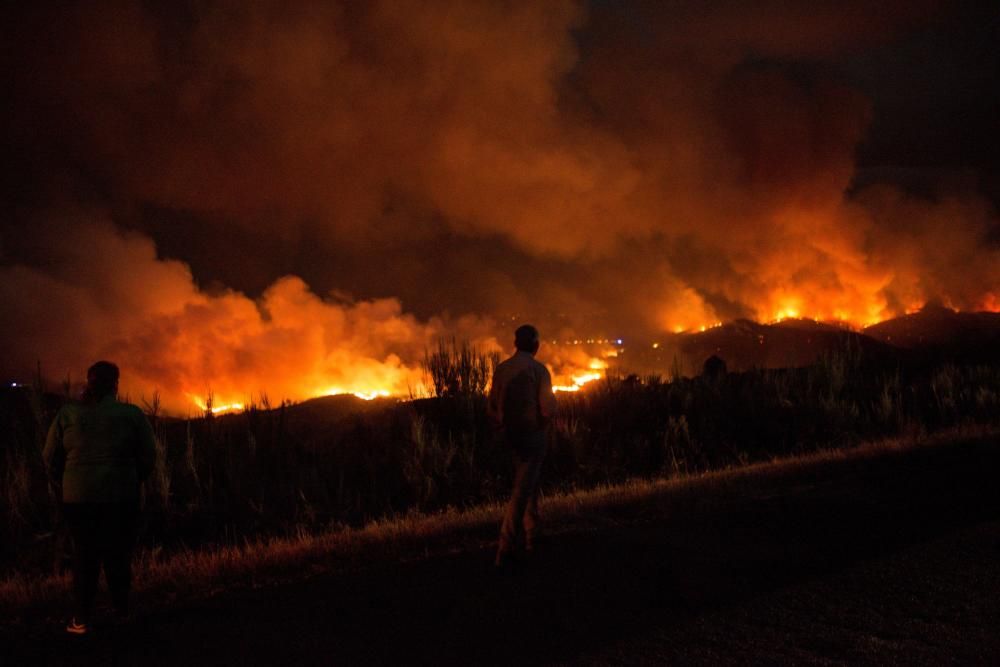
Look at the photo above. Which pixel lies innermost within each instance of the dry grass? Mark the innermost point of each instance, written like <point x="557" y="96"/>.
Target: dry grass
<point x="193" y="574"/>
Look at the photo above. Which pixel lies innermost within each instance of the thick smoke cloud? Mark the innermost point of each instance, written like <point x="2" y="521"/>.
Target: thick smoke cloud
<point x="107" y="295"/>
<point x="603" y="170"/>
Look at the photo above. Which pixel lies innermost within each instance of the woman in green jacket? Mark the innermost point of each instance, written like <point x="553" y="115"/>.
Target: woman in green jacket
<point x="98" y="452"/>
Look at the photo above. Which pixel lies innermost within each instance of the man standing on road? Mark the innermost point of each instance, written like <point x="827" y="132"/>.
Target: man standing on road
<point x="520" y="406"/>
<point x="97" y="453"/>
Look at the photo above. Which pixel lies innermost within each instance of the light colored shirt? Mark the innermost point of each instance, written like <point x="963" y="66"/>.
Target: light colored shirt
<point x="521" y="399"/>
<point x="99" y="452"/>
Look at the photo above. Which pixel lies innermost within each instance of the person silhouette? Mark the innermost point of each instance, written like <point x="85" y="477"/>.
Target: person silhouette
<point x="520" y="406"/>
<point x="97" y="453"/>
<point x="714" y="368"/>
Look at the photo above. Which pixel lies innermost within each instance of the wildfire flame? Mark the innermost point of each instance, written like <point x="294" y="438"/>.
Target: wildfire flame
<point x="578" y="382"/>
<point x="365" y="395"/>
<point x="578" y="379"/>
<point x="215" y="409"/>
<point x="567" y="381"/>
<point x="577" y="362"/>
<point x="857" y="316"/>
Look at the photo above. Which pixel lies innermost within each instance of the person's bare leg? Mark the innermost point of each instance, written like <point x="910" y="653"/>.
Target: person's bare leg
<point x="512" y="527"/>
<point x="531" y="521"/>
<point x="530" y="518"/>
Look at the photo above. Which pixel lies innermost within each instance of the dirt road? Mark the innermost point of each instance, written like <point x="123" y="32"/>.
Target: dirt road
<point x="896" y="561"/>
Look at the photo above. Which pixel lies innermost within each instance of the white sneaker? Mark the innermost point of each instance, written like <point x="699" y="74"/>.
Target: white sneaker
<point x="75" y="628"/>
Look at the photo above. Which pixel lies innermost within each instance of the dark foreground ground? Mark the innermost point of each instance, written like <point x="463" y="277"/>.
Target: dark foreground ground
<point x="894" y="560"/>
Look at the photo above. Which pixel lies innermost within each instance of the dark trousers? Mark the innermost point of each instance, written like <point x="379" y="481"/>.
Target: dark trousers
<point x="103" y="535"/>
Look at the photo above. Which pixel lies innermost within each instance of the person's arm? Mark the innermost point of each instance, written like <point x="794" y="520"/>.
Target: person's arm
<point x="54" y="454"/>
<point x="494" y="407"/>
<point x="145" y="455"/>
<point x="546" y="397"/>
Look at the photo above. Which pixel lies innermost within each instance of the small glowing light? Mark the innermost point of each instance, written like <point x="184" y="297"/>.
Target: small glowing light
<point x="619" y="341"/>
<point x="656" y="345"/>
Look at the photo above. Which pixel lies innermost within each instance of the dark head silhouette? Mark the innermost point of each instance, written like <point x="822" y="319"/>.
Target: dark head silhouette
<point x="714" y="368"/>
<point x="102" y="380"/>
<point x="526" y="339"/>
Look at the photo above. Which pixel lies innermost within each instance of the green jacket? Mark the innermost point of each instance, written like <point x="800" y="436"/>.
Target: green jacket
<point x="99" y="453"/>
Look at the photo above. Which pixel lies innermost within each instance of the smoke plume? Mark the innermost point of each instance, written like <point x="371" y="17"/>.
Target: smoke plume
<point x="301" y="197"/>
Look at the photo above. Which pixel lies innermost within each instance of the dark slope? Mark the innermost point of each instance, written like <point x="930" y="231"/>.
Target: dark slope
<point x="886" y="561"/>
<point x="949" y="334"/>
<point x="932" y="335"/>
<point x="744" y="344"/>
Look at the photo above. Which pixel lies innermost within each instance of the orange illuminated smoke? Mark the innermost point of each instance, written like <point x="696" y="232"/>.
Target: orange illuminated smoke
<point x="991" y="303"/>
<point x="839" y="308"/>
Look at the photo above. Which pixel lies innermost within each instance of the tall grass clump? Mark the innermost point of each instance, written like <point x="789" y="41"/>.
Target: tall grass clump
<point x="459" y="368"/>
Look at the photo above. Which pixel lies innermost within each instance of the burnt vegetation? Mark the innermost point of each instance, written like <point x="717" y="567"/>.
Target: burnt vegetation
<point x="286" y="469"/>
